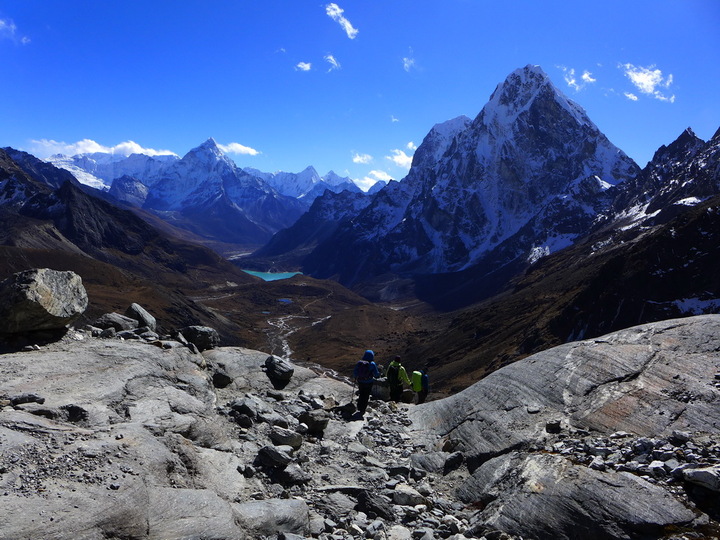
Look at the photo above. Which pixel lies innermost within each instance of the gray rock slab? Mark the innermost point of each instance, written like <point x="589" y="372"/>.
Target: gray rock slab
<point x="117" y="321"/>
<point x="272" y="516"/>
<point x="244" y="366"/>
<point x="544" y="496"/>
<point x="190" y="513"/>
<point x="649" y="380"/>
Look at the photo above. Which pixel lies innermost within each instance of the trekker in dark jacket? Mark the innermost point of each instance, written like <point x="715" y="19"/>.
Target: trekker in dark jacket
<point x="424" y="386"/>
<point x="365" y="373"/>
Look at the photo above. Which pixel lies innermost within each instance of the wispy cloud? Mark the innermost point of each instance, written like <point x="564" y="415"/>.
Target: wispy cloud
<point x="44" y="148"/>
<point x="8" y="30"/>
<point x="362" y="158"/>
<point x="393" y="119"/>
<point x="400" y="158"/>
<point x="630" y="96"/>
<point x="409" y="61"/>
<point x="237" y="148"/>
<point x="649" y="81"/>
<point x="336" y="14"/>
<point x="411" y="146"/>
<point x="303" y="66"/>
<point x="334" y="64"/>
<point x="571" y="79"/>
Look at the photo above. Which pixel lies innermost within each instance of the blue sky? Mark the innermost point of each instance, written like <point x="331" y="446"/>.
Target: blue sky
<point x="351" y="86"/>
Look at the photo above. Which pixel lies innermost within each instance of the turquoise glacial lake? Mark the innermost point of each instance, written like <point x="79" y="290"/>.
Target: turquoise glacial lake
<point x="272" y="276"/>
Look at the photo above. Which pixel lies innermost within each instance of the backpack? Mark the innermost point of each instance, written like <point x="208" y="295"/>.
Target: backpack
<point x="364" y="371"/>
<point x="393" y="375"/>
<point x="417" y="381"/>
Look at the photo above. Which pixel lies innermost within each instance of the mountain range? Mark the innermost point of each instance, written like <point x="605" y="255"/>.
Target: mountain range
<point x="521" y="229"/>
<point x="485" y="199"/>
<point x="205" y="192"/>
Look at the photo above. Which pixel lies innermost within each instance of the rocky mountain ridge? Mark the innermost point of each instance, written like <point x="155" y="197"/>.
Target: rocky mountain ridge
<point x="113" y="438"/>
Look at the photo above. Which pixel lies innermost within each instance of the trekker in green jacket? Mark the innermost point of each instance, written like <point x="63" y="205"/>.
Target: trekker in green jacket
<point x="396" y="377"/>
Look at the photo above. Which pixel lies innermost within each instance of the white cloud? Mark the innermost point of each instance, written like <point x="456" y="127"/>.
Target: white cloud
<point x="411" y="146"/>
<point x="362" y="158"/>
<point x="572" y="81"/>
<point x="408" y="63"/>
<point x="8" y="30"/>
<point x="44" y="148"/>
<point x="400" y="158"/>
<point x="393" y="119"/>
<point x="631" y="96"/>
<point x="334" y="64"/>
<point x="587" y="77"/>
<point x="649" y="81"/>
<point x="237" y="148"/>
<point x="380" y="175"/>
<point x="371" y="179"/>
<point x="303" y="66"/>
<point x="336" y="14"/>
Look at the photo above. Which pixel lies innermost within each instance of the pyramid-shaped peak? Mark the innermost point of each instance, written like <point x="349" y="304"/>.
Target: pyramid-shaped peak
<point x="210" y="146"/>
<point x="521" y="86"/>
<point x="210" y="143"/>
<point x="521" y="91"/>
<point x="209" y="152"/>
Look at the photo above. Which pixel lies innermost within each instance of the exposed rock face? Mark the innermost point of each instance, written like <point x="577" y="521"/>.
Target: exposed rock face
<point x="129" y="190"/>
<point x="40" y="299"/>
<point x="554" y="498"/>
<point x="121" y="439"/>
<point x="634" y="380"/>
<point x="656" y="380"/>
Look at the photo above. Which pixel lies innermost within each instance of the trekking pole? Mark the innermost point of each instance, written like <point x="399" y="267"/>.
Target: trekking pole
<point x="352" y="394"/>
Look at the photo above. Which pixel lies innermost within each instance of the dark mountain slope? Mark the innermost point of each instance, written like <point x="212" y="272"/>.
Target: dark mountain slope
<point x="288" y="248"/>
<point x="581" y="292"/>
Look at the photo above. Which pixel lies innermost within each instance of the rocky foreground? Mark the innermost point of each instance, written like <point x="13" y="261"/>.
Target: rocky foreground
<point x="617" y="437"/>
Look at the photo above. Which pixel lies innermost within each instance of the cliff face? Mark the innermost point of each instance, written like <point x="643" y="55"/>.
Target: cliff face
<point x="109" y="438"/>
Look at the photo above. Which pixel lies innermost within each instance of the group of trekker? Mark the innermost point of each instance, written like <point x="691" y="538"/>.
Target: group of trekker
<point x="367" y="371"/>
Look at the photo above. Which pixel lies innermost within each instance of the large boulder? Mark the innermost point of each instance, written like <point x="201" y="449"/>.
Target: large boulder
<point x="116" y="321"/>
<point x="40" y="299"/>
<point x="278" y="369"/>
<point x="203" y="337"/>
<point x="140" y="314"/>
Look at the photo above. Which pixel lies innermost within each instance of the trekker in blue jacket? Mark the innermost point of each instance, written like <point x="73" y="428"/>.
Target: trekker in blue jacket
<point x="365" y="373"/>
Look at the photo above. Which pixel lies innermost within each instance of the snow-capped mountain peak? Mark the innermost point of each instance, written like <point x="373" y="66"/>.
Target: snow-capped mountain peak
<point x="209" y="154"/>
<point x="525" y="176"/>
<point x="517" y="94"/>
<point x="334" y="179"/>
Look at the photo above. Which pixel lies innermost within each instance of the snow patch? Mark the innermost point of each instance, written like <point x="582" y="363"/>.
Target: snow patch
<point x="696" y="306"/>
<point x="689" y="201"/>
